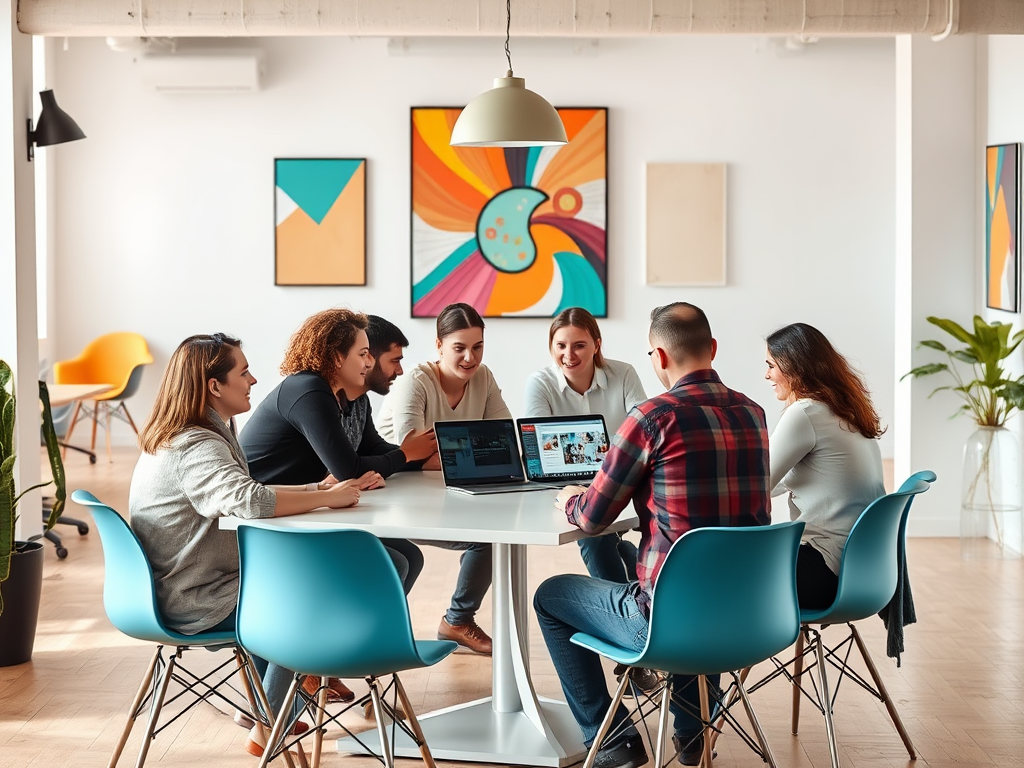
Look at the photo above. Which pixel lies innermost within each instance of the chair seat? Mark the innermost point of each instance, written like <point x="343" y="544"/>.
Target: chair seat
<point x="626" y="656"/>
<point x="432" y="651"/>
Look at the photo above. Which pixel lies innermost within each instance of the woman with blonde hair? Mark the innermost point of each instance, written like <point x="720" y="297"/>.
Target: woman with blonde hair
<point x="192" y="471"/>
<point x="824" y="451"/>
<point x="457" y="386"/>
<point x="580" y="381"/>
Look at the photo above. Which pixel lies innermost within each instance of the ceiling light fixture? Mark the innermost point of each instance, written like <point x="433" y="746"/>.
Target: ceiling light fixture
<point x="508" y="115"/>
<point x="55" y="126"/>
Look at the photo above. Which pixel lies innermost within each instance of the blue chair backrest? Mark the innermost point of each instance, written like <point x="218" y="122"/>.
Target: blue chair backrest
<point x="129" y="594"/>
<point x="326" y="603"/>
<point x="925" y="475"/>
<point x="725" y="599"/>
<point x="868" y="568"/>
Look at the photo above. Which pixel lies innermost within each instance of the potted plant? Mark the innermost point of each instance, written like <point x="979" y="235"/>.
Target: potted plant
<point x="21" y="562"/>
<point x="991" y="499"/>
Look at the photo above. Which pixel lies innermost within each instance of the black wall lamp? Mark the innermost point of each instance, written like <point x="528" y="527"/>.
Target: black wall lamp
<point x="55" y="126"/>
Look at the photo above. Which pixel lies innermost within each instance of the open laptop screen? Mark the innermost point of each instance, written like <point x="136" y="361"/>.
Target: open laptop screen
<point x="478" y="451"/>
<point x="563" y="447"/>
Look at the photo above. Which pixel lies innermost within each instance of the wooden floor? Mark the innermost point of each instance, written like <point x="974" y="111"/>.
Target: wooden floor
<point x="960" y="689"/>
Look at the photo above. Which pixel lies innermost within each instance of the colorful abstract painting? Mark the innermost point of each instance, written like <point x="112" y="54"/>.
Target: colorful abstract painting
<point x="320" y="221"/>
<point x="514" y="232"/>
<point x="1002" y="226"/>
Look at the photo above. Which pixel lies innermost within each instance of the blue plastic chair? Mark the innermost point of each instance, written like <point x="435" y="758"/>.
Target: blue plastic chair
<point x="129" y="597"/>
<point x="868" y="572"/>
<point x="330" y="604"/>
<point x="725" y="599"/>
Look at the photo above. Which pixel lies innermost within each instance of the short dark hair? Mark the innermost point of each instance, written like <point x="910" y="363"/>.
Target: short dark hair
<point x="457" y="317"/>
<point x="382" y="334"/>
<point x="683" y="329"/>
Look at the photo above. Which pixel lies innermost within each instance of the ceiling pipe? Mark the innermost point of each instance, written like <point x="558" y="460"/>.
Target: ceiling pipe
<point x="543" y="18"/>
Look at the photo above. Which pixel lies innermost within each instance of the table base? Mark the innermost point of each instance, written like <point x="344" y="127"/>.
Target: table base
<point x="474" y="732"/>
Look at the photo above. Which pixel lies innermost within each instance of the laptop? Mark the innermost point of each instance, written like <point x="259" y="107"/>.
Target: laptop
<point x="563" y="450"/>
<point x="480" y="457"/>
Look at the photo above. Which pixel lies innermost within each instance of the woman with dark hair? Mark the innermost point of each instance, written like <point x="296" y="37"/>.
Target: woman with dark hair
<point x="580" y="381"/>
<point x="823" y="453"/>
<point x="458" y="386"/>
<point x="191" y="472"/>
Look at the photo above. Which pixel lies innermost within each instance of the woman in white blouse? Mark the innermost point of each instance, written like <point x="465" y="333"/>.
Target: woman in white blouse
<point x="824" y="451"/>
<point x="457" y="386"/>
<point x="580" y="381"/>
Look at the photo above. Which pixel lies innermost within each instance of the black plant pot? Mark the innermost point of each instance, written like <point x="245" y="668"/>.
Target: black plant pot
<point x="21" y="594"/>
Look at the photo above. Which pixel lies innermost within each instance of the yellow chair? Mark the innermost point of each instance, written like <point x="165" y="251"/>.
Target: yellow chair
<point x="115" y="359"/>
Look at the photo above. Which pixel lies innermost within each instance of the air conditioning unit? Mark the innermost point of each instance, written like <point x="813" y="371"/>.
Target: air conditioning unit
<point x="203" y="71"/>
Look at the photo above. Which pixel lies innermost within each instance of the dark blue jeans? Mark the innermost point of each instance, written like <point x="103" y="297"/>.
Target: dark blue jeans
<point x="609" y="557"/>
<point x="474" y="579"/>
<point x="571" y="603"/>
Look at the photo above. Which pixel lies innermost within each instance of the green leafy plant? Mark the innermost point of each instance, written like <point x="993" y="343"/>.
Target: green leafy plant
<point x="9" y="497"/>
<point x="988" y="394"/>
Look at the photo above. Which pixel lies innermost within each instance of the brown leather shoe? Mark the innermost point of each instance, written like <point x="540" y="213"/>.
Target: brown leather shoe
<point x="468" y="636"/>
<point x="255" y="746"/>
<point x="337" y="691"/>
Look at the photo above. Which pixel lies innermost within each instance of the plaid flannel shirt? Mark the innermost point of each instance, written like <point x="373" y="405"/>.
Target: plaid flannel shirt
<point x="693" y="457"/>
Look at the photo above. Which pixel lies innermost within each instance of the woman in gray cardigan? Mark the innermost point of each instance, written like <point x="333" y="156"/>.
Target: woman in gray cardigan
<point x="191" y="472"/>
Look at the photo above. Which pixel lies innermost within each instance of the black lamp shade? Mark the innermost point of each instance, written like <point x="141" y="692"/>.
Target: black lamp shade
<point x="55" y="126"/>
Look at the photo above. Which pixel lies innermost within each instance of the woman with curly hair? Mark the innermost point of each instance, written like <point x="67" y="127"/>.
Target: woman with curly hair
<point x="823" y="453"/>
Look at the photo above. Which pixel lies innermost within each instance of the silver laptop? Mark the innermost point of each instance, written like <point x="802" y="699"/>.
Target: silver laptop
<point x="563" y="450"/>
<point x="479" y="457"/>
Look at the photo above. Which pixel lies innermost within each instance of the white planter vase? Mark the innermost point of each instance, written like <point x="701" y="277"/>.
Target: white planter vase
<point x="990" y="510"/>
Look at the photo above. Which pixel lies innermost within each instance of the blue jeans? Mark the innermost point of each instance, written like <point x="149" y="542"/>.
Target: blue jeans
<point x="571" y="603"/>
<point x="474" y="579"/>
<point x="609" y="557"/>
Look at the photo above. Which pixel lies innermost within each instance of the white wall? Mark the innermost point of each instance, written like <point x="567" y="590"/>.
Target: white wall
<point x="165" y="213"/>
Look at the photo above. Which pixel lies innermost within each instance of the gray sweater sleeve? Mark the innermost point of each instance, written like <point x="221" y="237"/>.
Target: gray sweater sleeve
<point x="215" y="484"/>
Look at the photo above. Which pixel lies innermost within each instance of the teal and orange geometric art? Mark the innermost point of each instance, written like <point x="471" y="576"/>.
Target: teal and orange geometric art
<point x="320" y="221"/>
<point x="514" y="232"/>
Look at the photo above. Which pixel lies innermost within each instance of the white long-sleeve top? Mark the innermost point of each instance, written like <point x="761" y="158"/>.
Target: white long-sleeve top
<point x="614" y="391"/>
<point x="830" y="471"/>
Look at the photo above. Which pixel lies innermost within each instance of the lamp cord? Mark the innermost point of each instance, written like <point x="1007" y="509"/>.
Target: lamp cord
<point x="508" y="28"/>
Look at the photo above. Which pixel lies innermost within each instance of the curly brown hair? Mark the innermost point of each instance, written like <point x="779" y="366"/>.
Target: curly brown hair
<point x="317" y="344"/>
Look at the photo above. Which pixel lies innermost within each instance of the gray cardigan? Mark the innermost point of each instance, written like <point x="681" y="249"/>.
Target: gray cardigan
<point x="175" y="499"/>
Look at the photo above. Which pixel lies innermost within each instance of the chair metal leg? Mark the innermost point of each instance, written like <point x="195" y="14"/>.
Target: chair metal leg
<point x="798" y="669"/>
<point x="280" y="723"/>
<point x="766" y="751"/>
<point x="826" y="696"/>
<point x="106" y="430"/>
<point x="705" y="716"/>
<point x="154" y="710"/>
<point x="147" y="681"/>
<point x="321" y="708"/>
<point x="883" y="693"/>
<point x="414" y="724"/>
<point x="129" y="417"/>
<point x="378" y="710"/>
<point x="716" y="729"/>
<point x="607" y="722"/>
<point x="659" y="748"/>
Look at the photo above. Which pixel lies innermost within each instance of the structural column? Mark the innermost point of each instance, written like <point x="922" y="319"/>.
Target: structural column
<point x="937" y="198"/>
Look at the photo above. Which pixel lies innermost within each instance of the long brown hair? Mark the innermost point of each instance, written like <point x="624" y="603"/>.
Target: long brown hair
<point x="817" y="371"/>
<point x="317" y="344"/>
<point x="577" y="317"/>
<point x="182" y="401"/>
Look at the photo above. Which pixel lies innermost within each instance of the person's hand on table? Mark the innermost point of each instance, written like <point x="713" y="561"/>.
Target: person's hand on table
<point x="367" y="482"/>
<point x="341" y="495"/>
<point x="433" y="463"/>
<point x="419" y="445"/>
<point x="562" y="499"/>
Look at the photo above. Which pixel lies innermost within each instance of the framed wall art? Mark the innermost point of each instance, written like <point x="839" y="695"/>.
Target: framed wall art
<point x="514" y="232"/>
<point x="1002" y="227"/>
<point x="319" y="221"/>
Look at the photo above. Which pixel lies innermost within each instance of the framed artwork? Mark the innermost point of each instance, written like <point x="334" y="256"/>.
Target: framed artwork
<point x="1002" y="227"/>
<point x="319" y="221"/>
<point x="514" y="232"/>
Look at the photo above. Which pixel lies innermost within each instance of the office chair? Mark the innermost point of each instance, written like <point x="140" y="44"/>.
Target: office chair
<point x="129" y="597"/>
<point x="116" y="359"/>
<point x="725" y="599"/>
<point x="354" y="622"/>
<point x="868" y="573"/>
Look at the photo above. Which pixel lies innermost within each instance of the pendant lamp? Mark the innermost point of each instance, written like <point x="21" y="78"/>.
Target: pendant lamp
<point x="508" y="115"/>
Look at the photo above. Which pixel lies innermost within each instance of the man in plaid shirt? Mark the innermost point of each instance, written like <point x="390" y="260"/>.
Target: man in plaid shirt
<point x="692" y="457"/>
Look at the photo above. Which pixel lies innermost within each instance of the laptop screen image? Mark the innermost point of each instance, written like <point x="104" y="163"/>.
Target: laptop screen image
<point x="562" y="448"/>
<point x="474" y="452"/>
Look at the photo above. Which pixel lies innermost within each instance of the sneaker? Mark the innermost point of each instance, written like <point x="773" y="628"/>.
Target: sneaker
<point x="257" y="739"/>
<point x="647" y="680"/>
<point x="468" y="636"/>
<point x="628" y="753"/>
<point x="243" y="719"/>
<point x="690" y="750"/>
